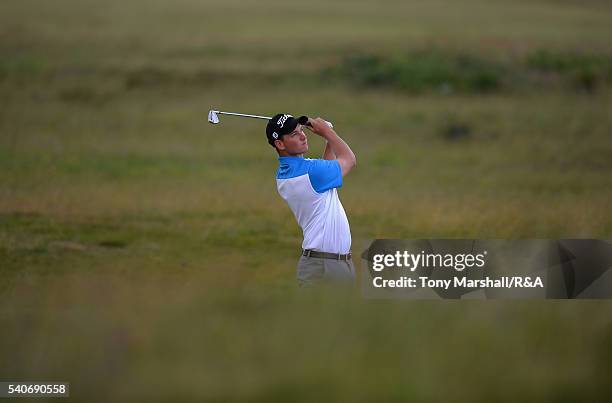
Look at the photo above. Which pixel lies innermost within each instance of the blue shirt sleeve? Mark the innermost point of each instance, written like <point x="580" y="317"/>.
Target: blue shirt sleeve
<point x="325" y="175"/>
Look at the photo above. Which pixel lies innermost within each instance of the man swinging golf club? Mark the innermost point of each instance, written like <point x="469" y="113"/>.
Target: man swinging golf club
<point x="309" y="186"/>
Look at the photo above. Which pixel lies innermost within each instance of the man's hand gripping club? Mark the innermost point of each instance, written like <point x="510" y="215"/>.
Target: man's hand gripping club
<point x="336" y="148"/>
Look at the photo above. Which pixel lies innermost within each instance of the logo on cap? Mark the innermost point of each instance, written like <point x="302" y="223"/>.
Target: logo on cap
<point x="275" y="135"/>
<point x="281" y="121"/>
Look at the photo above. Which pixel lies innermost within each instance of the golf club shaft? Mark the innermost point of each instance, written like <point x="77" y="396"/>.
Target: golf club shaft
<point x="250" y="116"/>
<point x="243" y="115"/>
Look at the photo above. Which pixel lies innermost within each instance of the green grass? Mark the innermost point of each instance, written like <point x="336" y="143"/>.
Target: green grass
<point x="447" y="72"/>
<point x="142" y="247"/>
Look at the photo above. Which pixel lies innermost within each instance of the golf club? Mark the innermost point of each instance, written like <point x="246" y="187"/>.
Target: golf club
<point x="213" y="117"/>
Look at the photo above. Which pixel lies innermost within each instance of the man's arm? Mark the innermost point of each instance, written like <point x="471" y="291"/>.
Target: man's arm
<point x="344" y="154"/>
<point x="328" y="154"/>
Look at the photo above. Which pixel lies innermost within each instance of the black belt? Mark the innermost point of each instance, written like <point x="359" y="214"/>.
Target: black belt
<point x="326" y="255"/>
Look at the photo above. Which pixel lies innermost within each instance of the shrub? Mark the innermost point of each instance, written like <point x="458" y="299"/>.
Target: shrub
<point x="424" y="71"/>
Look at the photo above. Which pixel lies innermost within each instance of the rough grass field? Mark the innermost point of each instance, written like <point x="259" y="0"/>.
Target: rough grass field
<point x="146" y="256"/>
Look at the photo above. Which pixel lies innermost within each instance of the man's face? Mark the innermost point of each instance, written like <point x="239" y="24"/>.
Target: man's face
<point x="294" y="143"/>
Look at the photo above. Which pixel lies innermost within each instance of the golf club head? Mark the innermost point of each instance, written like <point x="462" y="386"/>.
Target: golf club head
<point x="213" y="117"/>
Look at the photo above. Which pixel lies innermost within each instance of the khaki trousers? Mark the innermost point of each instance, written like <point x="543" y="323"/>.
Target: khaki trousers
<point x="313" y="270"/>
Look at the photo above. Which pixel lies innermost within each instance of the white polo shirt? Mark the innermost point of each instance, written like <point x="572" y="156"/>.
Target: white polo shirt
<point x="309" y="186"/>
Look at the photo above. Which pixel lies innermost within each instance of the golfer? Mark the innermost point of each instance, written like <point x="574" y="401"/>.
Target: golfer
<point x="309" y="186"/>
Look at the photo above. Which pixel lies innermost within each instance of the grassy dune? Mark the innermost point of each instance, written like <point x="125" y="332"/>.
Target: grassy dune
<point x="146" y="256"/>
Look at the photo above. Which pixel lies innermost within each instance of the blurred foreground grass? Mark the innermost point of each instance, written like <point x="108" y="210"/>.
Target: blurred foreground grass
<point x="120" y="338"/>
<point x="142" y="248"/>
